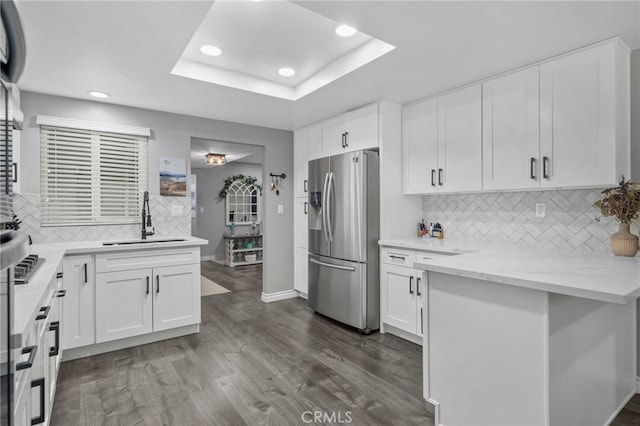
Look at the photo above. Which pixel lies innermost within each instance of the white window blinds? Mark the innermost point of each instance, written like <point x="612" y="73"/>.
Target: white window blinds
<point x="91" y="177"/>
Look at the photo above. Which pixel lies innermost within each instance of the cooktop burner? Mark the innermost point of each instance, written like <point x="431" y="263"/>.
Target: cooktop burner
<point x="26" y="268"/>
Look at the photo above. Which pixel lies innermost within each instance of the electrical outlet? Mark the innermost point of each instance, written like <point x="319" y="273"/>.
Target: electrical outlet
<point x="541" y="210"/>
<point x="201" y="209"/>
<point x="280" y="208"/>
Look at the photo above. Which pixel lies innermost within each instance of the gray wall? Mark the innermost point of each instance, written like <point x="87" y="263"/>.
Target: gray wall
<point x="635" y="143"/>
<point x="211" y="224"/>
<point x="171" y="137"/>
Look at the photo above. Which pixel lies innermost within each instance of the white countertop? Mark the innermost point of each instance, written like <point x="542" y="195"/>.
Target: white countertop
<point x="28" y="298"/>
<point x="592" y="275"/>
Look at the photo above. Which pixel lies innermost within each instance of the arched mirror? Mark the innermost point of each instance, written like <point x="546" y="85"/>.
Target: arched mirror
<point x="243" y="203"/>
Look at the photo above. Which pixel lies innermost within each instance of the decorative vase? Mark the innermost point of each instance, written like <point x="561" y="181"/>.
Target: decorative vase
<point x="623" y="242"/>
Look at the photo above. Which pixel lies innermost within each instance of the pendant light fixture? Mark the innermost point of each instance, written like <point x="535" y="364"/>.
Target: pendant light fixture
<point x="215" y="159"/>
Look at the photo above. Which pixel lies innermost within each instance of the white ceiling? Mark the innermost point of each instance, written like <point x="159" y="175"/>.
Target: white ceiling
<point x="239" y="152"/>
<point x="128" y="49"/>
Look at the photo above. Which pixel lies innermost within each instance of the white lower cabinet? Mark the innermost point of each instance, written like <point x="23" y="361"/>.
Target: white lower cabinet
<point x="300" y="252"/>
<point x="401" y="295"/>
<point x="133" y="302"/>
<point x="79" y="313"/>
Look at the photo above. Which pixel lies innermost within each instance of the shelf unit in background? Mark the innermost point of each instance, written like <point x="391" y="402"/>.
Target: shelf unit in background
<point x="236" y="250"/>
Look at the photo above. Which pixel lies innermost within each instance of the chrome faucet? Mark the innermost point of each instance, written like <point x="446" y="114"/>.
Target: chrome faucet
<point x="146" y="217"/>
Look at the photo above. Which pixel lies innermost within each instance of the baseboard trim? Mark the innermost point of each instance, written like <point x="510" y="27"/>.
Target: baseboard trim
<point x="386" y="328"/>
<point x="303" y="295"/>
<point x="115" y="345"/>
<point x="637" y="384"/>
<point x="207" y="258"/>
<point x="620" y="408"/>
<point x="278" y="295"/>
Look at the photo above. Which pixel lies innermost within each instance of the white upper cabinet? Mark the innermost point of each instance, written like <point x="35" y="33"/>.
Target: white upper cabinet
<point x="460" y="140"/>
<point x="300" y="161"/>
<point x="307" y="145"/>
<point x="511" y="135"/>
<point x="442" y="143"/>
<point x="352" y="131"/>
<point x="420" y="147"/>
<point x="583" y="119"/>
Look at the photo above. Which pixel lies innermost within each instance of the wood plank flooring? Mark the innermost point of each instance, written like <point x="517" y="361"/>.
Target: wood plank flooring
<point x="252" y="363"/>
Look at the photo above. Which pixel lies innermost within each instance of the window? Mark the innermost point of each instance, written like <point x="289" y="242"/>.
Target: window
<point x="242" y="204"/>
<point x="91" y="177"/>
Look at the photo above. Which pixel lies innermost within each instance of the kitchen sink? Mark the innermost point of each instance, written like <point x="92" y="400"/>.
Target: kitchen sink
<point x="125" y="243"/>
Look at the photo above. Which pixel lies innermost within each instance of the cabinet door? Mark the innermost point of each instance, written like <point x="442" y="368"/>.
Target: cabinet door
<point x="176" y="293"/>
<point x="460" y="140"/>
<point x="124" y="307"/>
<point x="421" y="289"/>
<point x="301" y="237"/>
<point x="361" y="128"/>
<point x="78" y="305"/>
<point x="333" y="139"/>
<point x="314" y="143"/>
<point x="420" y="147"/>
<point x="511" y="136"/>
<point x="578" y="118"/>
<point x="398" y="297"/>
<point x="300" y="162"/>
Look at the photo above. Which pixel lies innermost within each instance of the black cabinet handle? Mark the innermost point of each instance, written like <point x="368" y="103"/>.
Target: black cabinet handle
<point x="158" y="283"/>
<point x="421" y="321"/>
<point x="55" y="327"/>
<point x="39" y="383"/>
<point x="305" y="186"/>
<point x="147" y="285"/>
<point x="346" y="139"/>
<point x="397" y="257"/>
<point x="410" y="285"/>
<point x="305" y="208"/>
<point x="44" y="312"/>
<point x="545" y="173"/>
<point x="59" y="275"/>
<point x="85" y="274"/>
<point x="440" y="177"/>
<point x="433" y="177"/>
<point x="418" y="286"/>
<point x="31" y="350"/>
<point x="61" y="293"/>
<point x="533" y="168"/>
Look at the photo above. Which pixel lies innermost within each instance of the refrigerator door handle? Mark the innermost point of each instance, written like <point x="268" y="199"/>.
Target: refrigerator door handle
<point x="329" y="265"/>
<point x="329" y="195"/>
<point x="323" y="211"/>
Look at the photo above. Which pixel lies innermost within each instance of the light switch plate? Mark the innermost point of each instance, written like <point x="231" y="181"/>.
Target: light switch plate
<point x="177" y="211"/>
<point x="541" y="210"/>
<point x="280" y="208"/>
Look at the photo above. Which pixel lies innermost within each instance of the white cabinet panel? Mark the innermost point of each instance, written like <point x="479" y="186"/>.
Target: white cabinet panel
<point x="362" y="128"/>
<point x="460" y="140"/>
<point x="398" y="297"/>
<point x="511" y="136"/>
<point x="578" y="118"/>
<point x="124" y="304"/>
<point x="176" y="295"/>
<point x="314" y="143"/>
<point x="420" y="147"/>
<point x="301" y="237"/>
<point x="333" y="136"/>
<point x="78" y="312"/>
<point x="300" y="161"/>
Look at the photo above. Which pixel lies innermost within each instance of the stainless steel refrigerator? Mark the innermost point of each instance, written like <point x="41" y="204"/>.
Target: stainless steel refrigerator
<point x="344" y="223"/>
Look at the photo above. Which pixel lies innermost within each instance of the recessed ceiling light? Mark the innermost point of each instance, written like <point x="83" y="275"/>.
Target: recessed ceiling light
<point x="286" y="72"/>
<point x="345" y="30"/>
<point x="97" y="94"/>
<point x="210" y="50"/>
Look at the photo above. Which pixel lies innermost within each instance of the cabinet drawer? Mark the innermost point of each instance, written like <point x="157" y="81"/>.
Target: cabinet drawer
<point x="139" y="259"/>
<point x="424" y="256"/>
<point x="401" y="257"/>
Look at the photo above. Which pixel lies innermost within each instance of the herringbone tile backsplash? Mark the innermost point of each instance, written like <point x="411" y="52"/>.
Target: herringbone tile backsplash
<point x="27" y="207"/>
<point x="571" y="219"/>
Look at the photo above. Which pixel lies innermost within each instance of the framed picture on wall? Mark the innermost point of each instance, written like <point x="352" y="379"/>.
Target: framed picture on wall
<point x="173" y="177"/>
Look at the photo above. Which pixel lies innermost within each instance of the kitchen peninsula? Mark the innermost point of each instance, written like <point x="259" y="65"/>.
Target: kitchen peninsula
<point x="510" y="333"/>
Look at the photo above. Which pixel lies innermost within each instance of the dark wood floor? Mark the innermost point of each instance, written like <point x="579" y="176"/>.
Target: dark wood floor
<point x="252" y="363"/>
